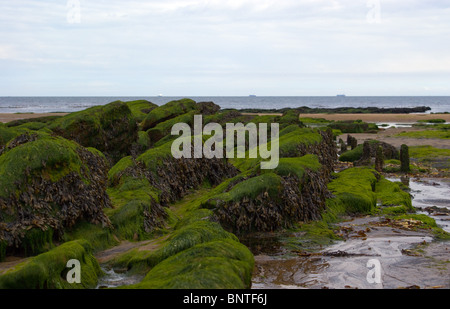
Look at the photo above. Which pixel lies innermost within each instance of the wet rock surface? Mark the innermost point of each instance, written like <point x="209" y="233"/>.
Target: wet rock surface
<point x="410" y="257"/>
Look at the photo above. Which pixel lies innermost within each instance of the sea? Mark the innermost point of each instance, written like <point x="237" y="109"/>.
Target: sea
<point x="41" y="104"/>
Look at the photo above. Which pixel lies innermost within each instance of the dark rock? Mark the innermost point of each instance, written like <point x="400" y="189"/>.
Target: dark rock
<point x="208" y="108"/>
<point x="370" y="150"/>
<point x="404" y="159"/>
<point x="379" y="160"/>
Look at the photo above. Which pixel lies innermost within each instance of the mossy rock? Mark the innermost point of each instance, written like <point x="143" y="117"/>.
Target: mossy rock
<point x="355" y="189"/>
<point x="294" y="191"/>
<point x="223" y="264"/>
<point x="196" y="231"/>
<point x="226" y="116"/>
<point x="164" y="128"/>
<point x="390" y="194"/>
<point x="7" y="134"/>
<point x="352" y="155"/>
<point x="110" y="128"/>
<point x="49" y="270"/>
<point x="207" y="108"/>
<point x="137" y="212"/>
<point x="140" y="108"/>
<point x="48" y="183"/>
<point x="167" y="111"/>
<point x="354" y="126"/>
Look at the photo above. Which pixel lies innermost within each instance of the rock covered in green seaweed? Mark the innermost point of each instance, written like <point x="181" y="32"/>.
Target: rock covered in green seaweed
<point x="49" y="270"/>
<point x="47" y="184"/>
<point x="168" y="111"/>
<point x="295" y="191"/>
<point x="110" y="128"/>
<point x="140" y="108"/>
<point x="199" y="253"/>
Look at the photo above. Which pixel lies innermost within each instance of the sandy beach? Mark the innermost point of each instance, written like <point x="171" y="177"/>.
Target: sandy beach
<point x="10" y="117"/>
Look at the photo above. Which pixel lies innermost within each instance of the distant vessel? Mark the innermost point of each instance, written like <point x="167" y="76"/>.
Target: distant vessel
<point x="252" y="95"/>
<point x="341" y="95"/>
<point x="160" y="95"/>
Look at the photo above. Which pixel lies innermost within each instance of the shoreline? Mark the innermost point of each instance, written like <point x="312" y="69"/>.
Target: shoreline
<point x="376" y="118"/>
<point x="7" y="117"/>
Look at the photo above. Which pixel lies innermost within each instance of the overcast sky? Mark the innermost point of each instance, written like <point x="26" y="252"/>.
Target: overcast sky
<point x="224" y="47"/>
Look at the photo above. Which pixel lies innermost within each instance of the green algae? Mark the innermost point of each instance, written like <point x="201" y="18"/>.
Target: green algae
<point x="251" y="188"/>
<point x="167" y="111"/>
<point x="48" y="270"/>
<point x="355" y="189"/>
<point x="8" y="134"/>
<point x="164" y="128"/>
<point x="390" y="194"/>
<point x="35" y="172"/>
<point x="297" y="166"/>
<point x="49" y="156"/>
<point x="143" y="140"/>
<point x="155" y="157"/>
<point x="425" y="134"/>
<point x="222" y="264"/>
<point x="198" y="231"/>
<point x="110" y="128"/>
<point x="290" y="142"/>
<point x="98" y="237"/>
<point x="132" y="200"/>
<point x="426" y="223"/>
<point x="352" y="155"/>
<point x="140" y="108"/>
<point x="115" y="172"/>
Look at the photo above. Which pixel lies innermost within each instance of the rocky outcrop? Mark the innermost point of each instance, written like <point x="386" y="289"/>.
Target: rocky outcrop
<point x="295" y="199"/>
<point x="47" y="184"/>
<point x="369" y="152"/>
<point x="111" y="129"/>
<point x="294" y="191"/>
<point x="168" y="111"/>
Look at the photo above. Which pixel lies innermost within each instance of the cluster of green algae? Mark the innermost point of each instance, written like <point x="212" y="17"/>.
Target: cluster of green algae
<point x="196" y="252"/>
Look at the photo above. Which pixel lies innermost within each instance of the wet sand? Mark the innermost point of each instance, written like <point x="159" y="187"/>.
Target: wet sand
<point x="408" y="256"/>
<point x="10" y="117"/>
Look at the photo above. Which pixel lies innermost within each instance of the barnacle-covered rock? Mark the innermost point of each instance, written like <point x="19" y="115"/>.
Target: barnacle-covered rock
<point x="47" y="184"/>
